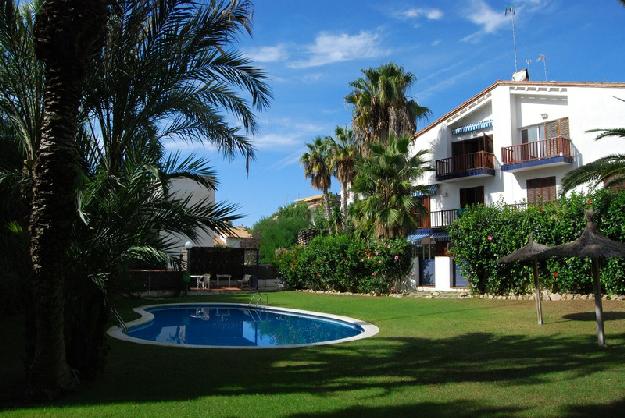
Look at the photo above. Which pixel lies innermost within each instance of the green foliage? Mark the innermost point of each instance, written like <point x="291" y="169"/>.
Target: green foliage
<point x="343" y="263"/>
<point x="381" y="104"/>
<point x="280" y="229"/>
<point x="482" y="234"/>
<point x="389" y="206"/>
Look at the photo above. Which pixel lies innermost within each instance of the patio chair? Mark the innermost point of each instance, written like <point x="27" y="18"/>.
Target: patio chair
<point x="246" y="281"/>
<point x="204" y="281"/>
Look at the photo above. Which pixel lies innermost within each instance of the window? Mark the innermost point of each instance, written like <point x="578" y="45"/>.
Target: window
<point x="471" y="196"/>
<point x="541" y="190"/>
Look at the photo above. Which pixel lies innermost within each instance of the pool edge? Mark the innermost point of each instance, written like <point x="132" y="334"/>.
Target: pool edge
<point x="369" y="330"/>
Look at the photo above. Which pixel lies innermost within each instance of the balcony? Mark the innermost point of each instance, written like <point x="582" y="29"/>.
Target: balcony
<point x="477" y="164"/>
<point x="537" y="154"/>
<point x="438" y="219"/>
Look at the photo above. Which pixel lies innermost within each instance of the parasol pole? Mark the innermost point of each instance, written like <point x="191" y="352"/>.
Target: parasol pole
<point x="598" y="306"/>
<point x="539" y="307"/>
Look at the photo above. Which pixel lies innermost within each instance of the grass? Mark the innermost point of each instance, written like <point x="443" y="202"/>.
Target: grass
<point x="432" y="357"/>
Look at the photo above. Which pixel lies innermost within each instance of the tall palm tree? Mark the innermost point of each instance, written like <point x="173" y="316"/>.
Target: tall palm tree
<point x="343" y="154"/>
<point x="386" y="180"/>
<point x="317" y="167"/>
<point x="609" y="170"/>
<point x="21" y="89"/>
<point x="167" y="72"/>
<point x="381" y="105"/>
<point x="66" y="33"/>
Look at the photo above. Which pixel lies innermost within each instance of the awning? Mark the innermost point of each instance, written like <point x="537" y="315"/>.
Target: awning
<point x="436" y="234"/>
<point x="432" y="189"/>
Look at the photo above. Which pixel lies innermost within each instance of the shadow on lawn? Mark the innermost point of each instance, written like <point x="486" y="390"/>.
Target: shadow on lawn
<point x="590" y="316"/>
<point x="456" y="409"/>
<point x="138" y="373"/>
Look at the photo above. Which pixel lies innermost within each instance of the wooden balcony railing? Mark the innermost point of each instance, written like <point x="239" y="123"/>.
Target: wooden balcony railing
<point x="438" y="219"/>
<point x="537" y="150"/>
<point x="458" y="165"/>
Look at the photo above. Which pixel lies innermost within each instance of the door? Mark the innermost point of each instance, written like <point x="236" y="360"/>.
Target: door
<point x="541" y="190"/>
<point x="424" y="214"/>
<point x="471" y="196"/>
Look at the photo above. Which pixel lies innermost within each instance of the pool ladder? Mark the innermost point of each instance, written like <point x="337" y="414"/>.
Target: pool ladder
<point x="256" y="299"/>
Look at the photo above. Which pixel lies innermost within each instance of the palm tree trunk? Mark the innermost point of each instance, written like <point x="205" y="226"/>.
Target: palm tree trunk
<point x="326" y="203"/>
<point x="65" y="33"/>
<point x="344" y="193"/>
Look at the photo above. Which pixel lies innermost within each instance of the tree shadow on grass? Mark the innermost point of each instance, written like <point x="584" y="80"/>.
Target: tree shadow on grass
<point x="455" y="409"/>
<point x="590" y="316"/>
<point x="139" y="373"/>
<point x="613" y="409"/>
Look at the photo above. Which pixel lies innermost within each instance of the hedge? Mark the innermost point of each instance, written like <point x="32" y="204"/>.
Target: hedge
<point x="483" y="234"/>
<point x="345" y="264"/>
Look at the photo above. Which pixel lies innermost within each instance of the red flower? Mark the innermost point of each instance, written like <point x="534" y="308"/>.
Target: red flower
<point x="555" y="275"/>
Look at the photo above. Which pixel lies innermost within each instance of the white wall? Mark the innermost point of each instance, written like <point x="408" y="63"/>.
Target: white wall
<point x="182" y="188"/>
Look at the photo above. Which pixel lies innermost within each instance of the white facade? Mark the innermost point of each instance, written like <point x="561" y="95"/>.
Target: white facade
<point x="182" y="188"/>
<point x="538" y="131"/>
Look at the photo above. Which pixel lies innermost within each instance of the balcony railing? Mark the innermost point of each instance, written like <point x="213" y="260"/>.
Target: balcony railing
<point x="461" y="165"/>
<point x="438" y="219"/>
<point x="537" y="150"/>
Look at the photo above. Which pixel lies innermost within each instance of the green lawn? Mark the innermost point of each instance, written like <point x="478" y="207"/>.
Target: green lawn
<point x="432" y="357"/>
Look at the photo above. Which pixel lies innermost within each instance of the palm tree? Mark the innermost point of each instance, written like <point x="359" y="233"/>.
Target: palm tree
<point x="381" y="107"/>
<point x="609" y="170"/>
<point x="386" y="178"/>
<point x="66" y="33"/>
<point x="167" y="72"/>
<point x="21" y="91"/>
<point x="317" y="167"/>
<point x="343" y="155"/>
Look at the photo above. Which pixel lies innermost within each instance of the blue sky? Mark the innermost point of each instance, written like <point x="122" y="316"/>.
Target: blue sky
<point x="311" y="50"/>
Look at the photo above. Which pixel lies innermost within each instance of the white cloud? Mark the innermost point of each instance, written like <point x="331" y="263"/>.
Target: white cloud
<point x="418" y="12"/>
<point x="330" y="48"/>
<point x="436" y="42"/>
<point x="275" y="140"/>
<point x="267" y="53"/>
<point x="487" y="18"/>
<point x="492" y="20"/>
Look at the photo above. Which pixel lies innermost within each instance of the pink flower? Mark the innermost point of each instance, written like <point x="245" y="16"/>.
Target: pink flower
<point x="396" y="257"/>
<point x="489" y="237"/>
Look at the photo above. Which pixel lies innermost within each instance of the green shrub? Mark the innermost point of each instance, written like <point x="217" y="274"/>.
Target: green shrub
<point x="343" y="263"/>
<point x="481" y="235"/>
<point x="280" y="230"/>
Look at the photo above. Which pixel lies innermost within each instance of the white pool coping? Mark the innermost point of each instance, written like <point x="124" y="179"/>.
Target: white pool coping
<point x="369" y="330"/>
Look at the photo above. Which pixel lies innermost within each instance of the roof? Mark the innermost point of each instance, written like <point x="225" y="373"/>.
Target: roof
<point x="239" y="232"/>
<point x="517" y="83"/>
<point x="312" y="198"/>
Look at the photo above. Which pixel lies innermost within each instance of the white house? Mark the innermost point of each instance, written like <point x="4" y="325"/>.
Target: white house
<point x="182" y="188"/>
<point x="511" y="143"/>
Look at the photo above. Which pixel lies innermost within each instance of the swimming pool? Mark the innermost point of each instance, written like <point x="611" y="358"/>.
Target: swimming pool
<point x="228" y="325"/>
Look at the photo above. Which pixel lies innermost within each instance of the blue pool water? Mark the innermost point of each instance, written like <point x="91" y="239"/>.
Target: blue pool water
<point x="238" y="326"/>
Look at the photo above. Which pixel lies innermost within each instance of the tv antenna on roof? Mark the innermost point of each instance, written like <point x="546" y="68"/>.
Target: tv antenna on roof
<point x="543" y="59"/>
<point x="510" y="11"/>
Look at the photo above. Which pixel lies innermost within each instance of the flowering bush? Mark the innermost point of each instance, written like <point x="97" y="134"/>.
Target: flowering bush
<point x="344" y="263"/>
<point x="483" y="234"/>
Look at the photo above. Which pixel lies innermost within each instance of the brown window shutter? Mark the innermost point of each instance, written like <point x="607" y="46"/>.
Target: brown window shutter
<point x="563" y="128"/>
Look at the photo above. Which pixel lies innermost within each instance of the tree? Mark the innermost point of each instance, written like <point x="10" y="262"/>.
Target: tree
<point x="343" y="154"/>
<point x="317" y="167"/>
<point x="280" y="229"/>
<point x="609" y="170"/>
<point x="167" y="72"/>
<point x="66" y="33"/>
<point x="381" y="107"/>
<point x="390" y="205"/>
<point x="21" y="93"/>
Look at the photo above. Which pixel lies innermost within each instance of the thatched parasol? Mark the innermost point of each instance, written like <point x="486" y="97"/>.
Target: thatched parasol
<point x="596" y="246"/>
<point x="532" y="252"/>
